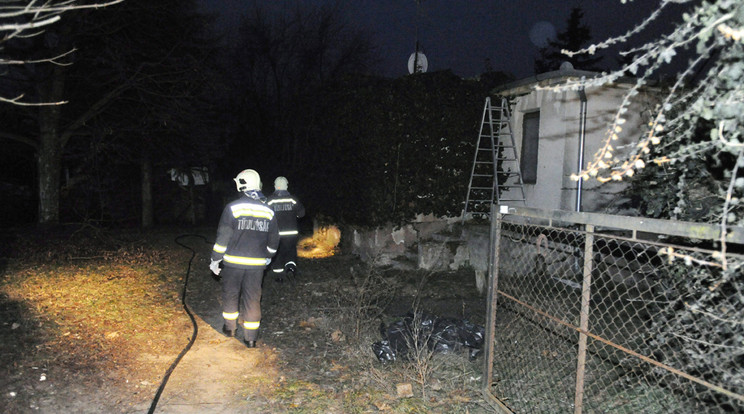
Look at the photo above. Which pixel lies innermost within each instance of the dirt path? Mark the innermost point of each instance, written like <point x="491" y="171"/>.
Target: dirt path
<point x="217" y="374"/>
<point x="212" y="377"/>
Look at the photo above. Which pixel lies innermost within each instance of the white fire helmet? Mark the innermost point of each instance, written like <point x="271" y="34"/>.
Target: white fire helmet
<point x="281" y="183"/>
<point x="248" y="180"/>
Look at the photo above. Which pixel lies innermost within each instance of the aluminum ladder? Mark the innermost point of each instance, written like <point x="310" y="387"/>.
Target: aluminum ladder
<point x="496" y="175"/>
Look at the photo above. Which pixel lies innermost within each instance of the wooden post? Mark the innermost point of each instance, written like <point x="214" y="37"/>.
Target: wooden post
<point x="584" y="319"/>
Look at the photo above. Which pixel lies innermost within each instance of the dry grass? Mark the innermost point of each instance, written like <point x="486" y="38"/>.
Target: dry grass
<point x="84" y="307"/>
<point x="97" y="310"/>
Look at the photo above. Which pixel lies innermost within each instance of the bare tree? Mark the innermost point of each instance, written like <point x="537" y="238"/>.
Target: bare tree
<point x="25" y="19"/>
<point x="699" y="125"/>
<point x="21" y="21"/>
<point x="282" y="63"/>
<point x="130" y="97"/>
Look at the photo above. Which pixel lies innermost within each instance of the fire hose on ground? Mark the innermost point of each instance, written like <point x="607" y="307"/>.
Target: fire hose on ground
<point x="168" y="373"/>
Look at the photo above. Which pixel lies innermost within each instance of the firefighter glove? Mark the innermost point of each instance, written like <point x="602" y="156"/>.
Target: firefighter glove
<point x="214" y="266"/>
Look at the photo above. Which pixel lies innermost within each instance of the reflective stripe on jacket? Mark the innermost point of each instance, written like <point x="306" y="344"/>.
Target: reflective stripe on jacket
<point x="247" y="235"/>
<point x="287" y="209"/>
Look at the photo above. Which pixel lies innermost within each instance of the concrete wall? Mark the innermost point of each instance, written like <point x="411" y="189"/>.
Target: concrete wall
<point x="429" y="243"/>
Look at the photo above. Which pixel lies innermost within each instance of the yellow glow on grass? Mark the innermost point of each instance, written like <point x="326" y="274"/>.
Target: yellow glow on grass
<point x="102" y="313"/>
<point x="323" y="243"/>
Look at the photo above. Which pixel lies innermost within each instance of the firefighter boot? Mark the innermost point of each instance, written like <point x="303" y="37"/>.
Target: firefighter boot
<point x="227" y="332"/>
<point x="250" y="344"/>
<point x="290" y="269"/>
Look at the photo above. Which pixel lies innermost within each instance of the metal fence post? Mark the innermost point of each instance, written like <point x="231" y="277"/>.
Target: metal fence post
<point x="493" y="277"/>
<point x="584" y="318"/>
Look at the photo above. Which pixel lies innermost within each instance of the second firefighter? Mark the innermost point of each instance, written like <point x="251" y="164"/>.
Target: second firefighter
<point x="288" y="209"/>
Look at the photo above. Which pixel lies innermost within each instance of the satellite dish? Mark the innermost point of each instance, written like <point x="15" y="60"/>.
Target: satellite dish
<point x="421" y="64"/>
<point x="566" y="66"/>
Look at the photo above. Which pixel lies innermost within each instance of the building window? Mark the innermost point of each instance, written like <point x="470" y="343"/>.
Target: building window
<point x="530" y="134"/>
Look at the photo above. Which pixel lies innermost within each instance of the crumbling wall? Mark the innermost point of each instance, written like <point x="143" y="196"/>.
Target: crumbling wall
<point x="434" y="244"/>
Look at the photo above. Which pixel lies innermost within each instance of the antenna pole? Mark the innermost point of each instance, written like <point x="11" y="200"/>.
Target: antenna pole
<point x="415" y="59"/>
<point x="416" y="55"/>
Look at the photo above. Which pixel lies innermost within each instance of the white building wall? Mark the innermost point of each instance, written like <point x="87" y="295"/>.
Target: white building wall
<point x="560" y="115"/>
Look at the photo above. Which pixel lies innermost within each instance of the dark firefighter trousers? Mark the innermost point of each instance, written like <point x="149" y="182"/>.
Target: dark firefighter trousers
<point x="241" y="299"/>
<point x="286" y="255"/>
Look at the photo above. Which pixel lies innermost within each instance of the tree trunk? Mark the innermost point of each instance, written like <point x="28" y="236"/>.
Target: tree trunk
<point x="49" y="164"/>
<point x="147" y="207"/>
<point x="49" y="160"/>
<point x="192" y="200"/>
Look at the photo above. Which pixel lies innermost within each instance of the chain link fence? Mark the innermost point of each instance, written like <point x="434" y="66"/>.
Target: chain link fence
<point x="590" y="313"/>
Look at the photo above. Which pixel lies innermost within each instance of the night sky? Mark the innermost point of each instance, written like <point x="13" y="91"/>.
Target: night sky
<point x="461" y="34"/>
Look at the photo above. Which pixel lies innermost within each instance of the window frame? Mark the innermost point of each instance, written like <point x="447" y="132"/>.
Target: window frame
<point x="529" y="154"/>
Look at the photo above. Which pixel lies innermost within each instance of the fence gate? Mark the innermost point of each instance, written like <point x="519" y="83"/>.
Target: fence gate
<point x="592" y="313"/>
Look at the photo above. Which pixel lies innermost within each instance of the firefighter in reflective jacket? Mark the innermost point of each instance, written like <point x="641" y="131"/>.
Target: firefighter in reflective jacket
<point x="287" y="209"/>
<point x="247" y="238"/>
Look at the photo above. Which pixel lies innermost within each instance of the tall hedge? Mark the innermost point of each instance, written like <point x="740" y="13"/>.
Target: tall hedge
<point x="384" y="150"/>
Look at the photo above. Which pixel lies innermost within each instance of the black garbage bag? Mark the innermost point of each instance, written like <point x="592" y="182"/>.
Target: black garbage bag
<point x="383" y="351"/>
<point x="423" y="329"/>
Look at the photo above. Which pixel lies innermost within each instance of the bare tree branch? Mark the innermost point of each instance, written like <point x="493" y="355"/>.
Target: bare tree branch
<point x="41" y="15"/>
<point x="53" y="60"/>
<point x="20" y="138"/>
<point x="17" y="101"/>
<point x="49" y="7"/>
<point x="20" y="27"/>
